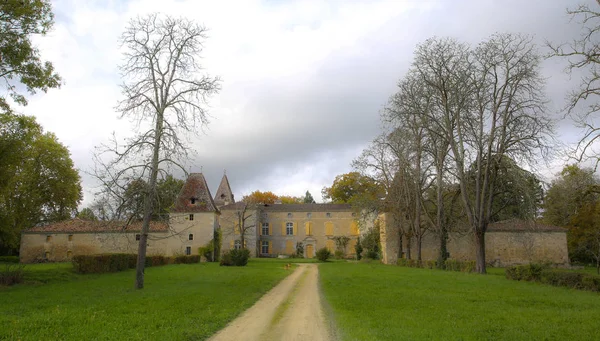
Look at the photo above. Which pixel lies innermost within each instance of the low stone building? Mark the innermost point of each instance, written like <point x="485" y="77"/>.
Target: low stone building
<point x="508" y="242"/>
<point x="192" y="222"/>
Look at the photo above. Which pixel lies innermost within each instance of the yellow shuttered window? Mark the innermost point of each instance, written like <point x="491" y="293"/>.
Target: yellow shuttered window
<point x="351" y="246"/>
<point x="308" y="228"/>
<point x="289" y="247"/>
<point x="231" y="245"/>
<point x="354" y="228"/>
<point x="270" y="247"/>
<point x="283" y="228"/>
<point x="295" y="230"/>
<point x="329" y="228"/>
<point x="330" y="245"/>
<point x="236" y="229"/>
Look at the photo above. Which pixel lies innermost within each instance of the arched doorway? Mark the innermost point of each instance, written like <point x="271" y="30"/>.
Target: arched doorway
<point x="310" y="251"/>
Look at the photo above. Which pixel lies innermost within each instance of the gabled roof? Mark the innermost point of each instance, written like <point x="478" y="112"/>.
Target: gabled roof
<point x="519" y="225"/>
<point x="80" y="225"/>
<point x="224" y="193"/>
<point x="194" y="188"/>
<point x="308" y="207"/>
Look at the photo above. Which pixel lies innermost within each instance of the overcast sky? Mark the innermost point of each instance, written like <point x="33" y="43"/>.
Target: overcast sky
<point x="303" y="81"/>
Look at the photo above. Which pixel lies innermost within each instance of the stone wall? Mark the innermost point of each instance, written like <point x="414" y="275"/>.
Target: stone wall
<point x="503" y="248"/>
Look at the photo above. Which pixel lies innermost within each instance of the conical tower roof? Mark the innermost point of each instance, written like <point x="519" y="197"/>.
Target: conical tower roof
<point x="194" y="196"/>
<point x="224" y="195"/>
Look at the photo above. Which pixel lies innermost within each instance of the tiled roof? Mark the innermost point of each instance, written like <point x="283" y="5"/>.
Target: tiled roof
<point x="307" y="207"/>
<point x="79" y="225"/>
<point x="195" y="187"/>
<point x="518" y="225"/>
<point x="224" y="192"/>
<point x="236" y="206"/>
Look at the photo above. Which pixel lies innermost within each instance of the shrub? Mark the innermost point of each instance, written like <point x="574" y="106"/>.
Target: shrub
<point x="207" y="251"/>
<point x="157" y="260"/>
<point x="529" y="272"/>
<point x="9" y="259"/>
<point x="371" y="242"/>
<point x="449" y="264"/>
<point x="323" y="254"/>
<point x="358" y="249"/>
<point x="235" y="257"/>
<point x="12" y="274"/>
<point x="187" y="259"/>
<point x="108" y="262"/>
<point x="338" y="254"/>
<point x="299" y="250"/>
<point x="555" y="277"/>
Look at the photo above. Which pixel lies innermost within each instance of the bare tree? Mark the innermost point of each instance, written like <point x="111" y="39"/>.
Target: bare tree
<point x="165" y="92"/>
<point x="241" y="221"/>
<point x="583" y="54"/>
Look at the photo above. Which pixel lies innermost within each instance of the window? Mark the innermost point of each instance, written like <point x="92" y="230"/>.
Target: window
<point x="289" y="229"/>
<point x="191" y="236"/>
<point x="188" y="250"/>
<point x="264" y="215"/>
<point x="48" y="238"/>
<point x="289" y="215"/>
<point x="265" y="229"/>
<point x="308" y="228"/>
<point x="237" y="244"/>
<point x="70" y="238"/>
<point x="192" y="216"/>
<point x="69" y="254"/>
<point x="264" y="247"/>
<point x="193" y="201"/>
<point x="47" y="254"/>
<point x="328" y="215"/>
<point x="137" y="237"/>
<point x="308" y="215"/>
<point x="329" y="228"/>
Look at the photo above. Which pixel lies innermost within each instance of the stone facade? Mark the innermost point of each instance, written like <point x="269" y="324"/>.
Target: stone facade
<point x="278" y="229"/>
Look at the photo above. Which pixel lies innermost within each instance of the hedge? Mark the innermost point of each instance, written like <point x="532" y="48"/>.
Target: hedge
<point x="449" y="264"/>
<point x="187" y="259"/>
<point x="114" y="262"/>
<point x="556" y="277"/>
<point x="9" y="259"/>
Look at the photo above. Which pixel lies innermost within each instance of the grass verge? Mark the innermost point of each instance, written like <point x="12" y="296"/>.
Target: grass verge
<point x="179" y="302"/>
<point x="378" y="302"/>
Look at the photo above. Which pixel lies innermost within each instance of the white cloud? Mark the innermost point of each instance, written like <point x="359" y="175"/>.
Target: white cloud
<point x="303" y="81"/>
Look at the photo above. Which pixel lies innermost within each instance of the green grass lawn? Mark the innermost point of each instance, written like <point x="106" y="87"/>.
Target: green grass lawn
<point x="179" y="302"/>
<point x="379" y="302"/>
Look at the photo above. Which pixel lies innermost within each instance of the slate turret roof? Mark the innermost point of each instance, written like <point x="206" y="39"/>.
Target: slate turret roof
<point x="194" y="196"/>
<point x="224" y="193"/>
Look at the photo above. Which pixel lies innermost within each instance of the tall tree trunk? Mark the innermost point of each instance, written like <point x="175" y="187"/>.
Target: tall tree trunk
<point x="441" y="226"/>
<point x="480" y="251"/>
<point x="418" y="233"/>
<point x="408" y="247"/>
<point x="400" y="240"/>
<point x="148" y="205"/>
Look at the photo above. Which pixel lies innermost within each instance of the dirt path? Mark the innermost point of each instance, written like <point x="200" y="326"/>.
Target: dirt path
<point x="290" y="311"/>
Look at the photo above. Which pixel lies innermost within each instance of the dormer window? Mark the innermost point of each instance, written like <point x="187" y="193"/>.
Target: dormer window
<point x="193" y="201"/>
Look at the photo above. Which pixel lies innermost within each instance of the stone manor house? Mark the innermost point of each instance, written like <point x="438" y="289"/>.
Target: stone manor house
<point x="275" y="230"/>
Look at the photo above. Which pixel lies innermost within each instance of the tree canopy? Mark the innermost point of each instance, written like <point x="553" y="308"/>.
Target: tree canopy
<point x="20" y="62"/>
<point x="351" y="187"/>
<point x="38" y="181"/>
